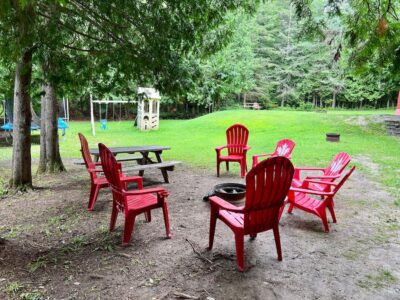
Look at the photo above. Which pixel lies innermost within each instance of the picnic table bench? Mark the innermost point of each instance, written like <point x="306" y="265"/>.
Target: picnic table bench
<point x="144" y="162"/>
<point x="253" y="105"/>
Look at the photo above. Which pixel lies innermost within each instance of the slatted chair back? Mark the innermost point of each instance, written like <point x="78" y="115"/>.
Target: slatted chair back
<point x="343" y="180"/>
<point x="87" y="158"/>
<point x="267" y="185"/>
<point x="111" y="169"/>
<point x="338" y="164"/>
<point x="284" y="148"/>
<point x="237" y="136"/>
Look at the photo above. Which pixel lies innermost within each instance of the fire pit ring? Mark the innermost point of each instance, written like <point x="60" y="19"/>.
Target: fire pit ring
<point x="333" y="137"/>
<point x="230" y="191"/>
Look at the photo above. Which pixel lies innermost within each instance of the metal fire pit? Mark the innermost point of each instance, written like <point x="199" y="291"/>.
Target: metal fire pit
<point x="231" y="192"/>
<point x="333" y="137"/>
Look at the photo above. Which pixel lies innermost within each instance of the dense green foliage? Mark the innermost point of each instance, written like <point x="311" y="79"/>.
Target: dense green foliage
<point x="315" y="60"/>
<point x="301" y="53"/>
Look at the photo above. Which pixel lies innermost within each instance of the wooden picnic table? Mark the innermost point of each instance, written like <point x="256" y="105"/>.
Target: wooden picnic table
<point x="144" y="162"/>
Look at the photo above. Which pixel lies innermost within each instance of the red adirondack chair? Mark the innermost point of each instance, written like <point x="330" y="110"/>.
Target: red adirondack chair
<point x="283" y="148"/>
<point x="298" y="197"/>
<point x="266" y="188"/>
<point x="329" y="174"/>
<point x="236" y="136"/>
<point x="98" y="182"/>
<point x="131" y="203"/>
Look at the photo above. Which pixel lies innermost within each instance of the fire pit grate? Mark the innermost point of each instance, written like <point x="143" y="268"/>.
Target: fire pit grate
<point x="232" y="192"/>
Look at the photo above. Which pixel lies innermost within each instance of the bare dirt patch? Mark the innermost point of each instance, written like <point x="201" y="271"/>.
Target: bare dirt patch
<point x="55" y="249"/>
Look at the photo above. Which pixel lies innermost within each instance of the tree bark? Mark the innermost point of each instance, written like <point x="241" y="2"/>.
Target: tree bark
<point x="50" y="158"/>
<point x="42" y="161"/>
<point x="21" y="174"/>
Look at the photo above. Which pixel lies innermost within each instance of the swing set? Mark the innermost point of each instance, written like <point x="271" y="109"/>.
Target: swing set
<point x="7" y="111"/>
<point x="103" y="111"/>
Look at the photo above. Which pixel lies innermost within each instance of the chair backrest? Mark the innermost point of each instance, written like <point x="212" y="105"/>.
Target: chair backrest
<point x="343" y="180"/>
<point x="267" y="185"/>
<point x="339" y="162"/>
<point x="284" y="148"/>
<point x="111" y="169"/>
<point x="237" y="135"/>
<point x="87" y="158"/>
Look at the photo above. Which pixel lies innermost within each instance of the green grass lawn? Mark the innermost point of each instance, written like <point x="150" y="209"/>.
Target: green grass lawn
<point x="193" y="141"/>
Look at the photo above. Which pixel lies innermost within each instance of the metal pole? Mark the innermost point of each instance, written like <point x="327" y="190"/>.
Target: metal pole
<point x="92" y="115"/>
<point x="68" y="110"/>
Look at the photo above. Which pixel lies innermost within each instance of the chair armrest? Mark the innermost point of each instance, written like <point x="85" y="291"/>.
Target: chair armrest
<point x="298" y="170"/>
<point x="307" y="191"/>
<point x="159" y="190"/>
<point x="219" y="149"/>
<point x="309" y="169"/>
<point x="130" y="178"/>
<point x="246" y="148"/>
<point x="321" y="182"/>
<point x="260" y="155"/>
<point x="220" y="203"/>
<point x="323" y="177"/>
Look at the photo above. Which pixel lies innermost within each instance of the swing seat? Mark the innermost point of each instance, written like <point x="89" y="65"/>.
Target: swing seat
<point x="103" y="124"/>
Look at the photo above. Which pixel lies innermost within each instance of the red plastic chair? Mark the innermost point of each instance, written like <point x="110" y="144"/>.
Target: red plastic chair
<point x="298" y="197"/>
<point x="99" y="182"/>
<point x="283" y="148"/>
<point x="266" y="188"/>
<point x="131" y="203"/>
<point x="236" y="136"/>
<point x="330" y="174"/>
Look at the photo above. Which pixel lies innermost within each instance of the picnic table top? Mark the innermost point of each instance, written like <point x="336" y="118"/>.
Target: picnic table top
<point x="133" y="149"/>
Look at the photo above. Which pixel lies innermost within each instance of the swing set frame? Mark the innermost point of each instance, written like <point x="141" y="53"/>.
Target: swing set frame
<point x="100" y="102"/>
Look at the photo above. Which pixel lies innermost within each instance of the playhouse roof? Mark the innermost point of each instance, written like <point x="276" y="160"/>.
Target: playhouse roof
<point x="151" y="93"/>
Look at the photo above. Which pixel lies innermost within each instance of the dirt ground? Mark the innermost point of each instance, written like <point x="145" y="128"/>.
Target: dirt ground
<point x="55" y="249"/>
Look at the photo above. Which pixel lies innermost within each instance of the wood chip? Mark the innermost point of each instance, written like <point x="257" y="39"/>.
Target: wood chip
<point x="124" y="255"/>
<point x="184" y="296"/>
<point x="96" y="276"/>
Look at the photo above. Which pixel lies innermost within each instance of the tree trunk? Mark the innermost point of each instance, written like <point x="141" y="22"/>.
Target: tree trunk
<point x="21" y="176"/>
<point x="334" y="99"/>
<point x="50" y="158"/>
<point x="42" y="161"/>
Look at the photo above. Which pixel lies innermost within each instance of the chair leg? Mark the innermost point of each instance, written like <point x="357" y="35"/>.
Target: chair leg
<point x="218" y="162"/>
<point x="147" y="216"/>
<point x="242" y="168"/>
<point x="324" y="220"/>
<point x="332" y="211"/>
<point x="277" y="242"/>
<point x="128" y="228"/>
<point x="213" y="222"/>
<point x="166" y="220"/>
<point x="114" y="215"/>
<point x="291" y="206"/>
<point x="94" y="192"/>
<point x="227" y="165"/>
<point x="140" y="184"/>
<point x="239" y="240"/>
